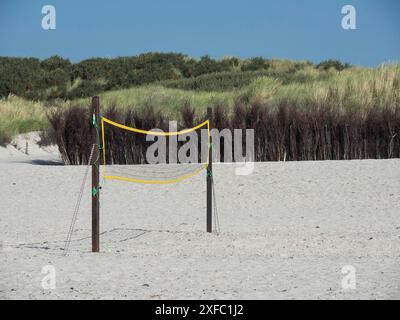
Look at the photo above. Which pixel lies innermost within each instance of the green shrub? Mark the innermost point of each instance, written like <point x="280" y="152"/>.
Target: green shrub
<point x="335" y="64"/>
<point x="22" y="77"/>
<point x="220" y="81"/>
<point x="254" y="64"/>
<point x="85" y="88"/>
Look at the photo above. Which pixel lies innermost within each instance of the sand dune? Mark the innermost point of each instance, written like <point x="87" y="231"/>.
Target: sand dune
<point x="287" y="231"/>
<point x="25" y="148"/>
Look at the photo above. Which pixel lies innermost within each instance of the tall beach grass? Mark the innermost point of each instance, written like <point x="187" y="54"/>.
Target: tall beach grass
<point x="18" y="115"/>
<point x="166" y="100"/>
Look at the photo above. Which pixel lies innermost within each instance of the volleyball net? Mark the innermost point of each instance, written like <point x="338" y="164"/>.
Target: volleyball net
<point x="176" y="155"/>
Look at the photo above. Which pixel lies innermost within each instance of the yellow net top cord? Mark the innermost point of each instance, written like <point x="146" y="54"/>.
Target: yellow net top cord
<point x="154" y="133"/>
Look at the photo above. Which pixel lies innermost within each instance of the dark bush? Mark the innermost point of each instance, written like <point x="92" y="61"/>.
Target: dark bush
<point x="5" y="138"/>
<point x="335" y="64"/>
<point x="56" y="62"/>
<point x="257" y="63"/>
<point x="84" y="89"/>
<point x="71" y="131"/>
<point x="285" y="134"/>
<point x="21" y="76"/>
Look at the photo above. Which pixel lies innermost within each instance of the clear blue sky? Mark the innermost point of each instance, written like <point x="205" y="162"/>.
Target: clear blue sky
<point x="295" y="29"/>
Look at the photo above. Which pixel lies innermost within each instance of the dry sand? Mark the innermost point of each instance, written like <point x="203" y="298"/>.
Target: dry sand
<point x="287" y="230"/>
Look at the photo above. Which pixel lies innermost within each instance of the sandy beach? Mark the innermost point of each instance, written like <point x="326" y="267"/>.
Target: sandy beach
<point x="286" y="232"/>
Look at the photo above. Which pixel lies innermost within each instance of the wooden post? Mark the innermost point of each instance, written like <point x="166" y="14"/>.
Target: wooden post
<point x="209" y="177"/>
<point x="95" y="175"/>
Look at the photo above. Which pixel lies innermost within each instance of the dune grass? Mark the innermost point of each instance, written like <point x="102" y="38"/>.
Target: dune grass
<point x="354" y="89"/>
<point x="169" y="101"/>
<point x="351" y="89"/>
<point x="18" y="115"/>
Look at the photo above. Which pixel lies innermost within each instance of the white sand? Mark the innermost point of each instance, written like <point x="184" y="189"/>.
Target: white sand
<point x="286" y="232"/>
<point x="25" y="148"/>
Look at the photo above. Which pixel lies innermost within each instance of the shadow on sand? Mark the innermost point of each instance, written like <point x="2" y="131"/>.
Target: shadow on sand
<point x="41" y="162"/>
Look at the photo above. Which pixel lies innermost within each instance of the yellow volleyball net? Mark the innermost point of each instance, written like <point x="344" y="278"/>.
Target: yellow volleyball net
<point x="124" y="147"/>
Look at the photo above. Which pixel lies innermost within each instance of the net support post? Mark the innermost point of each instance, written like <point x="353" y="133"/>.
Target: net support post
<point x="95" y="109"/>
<point x="209" y="175"/>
